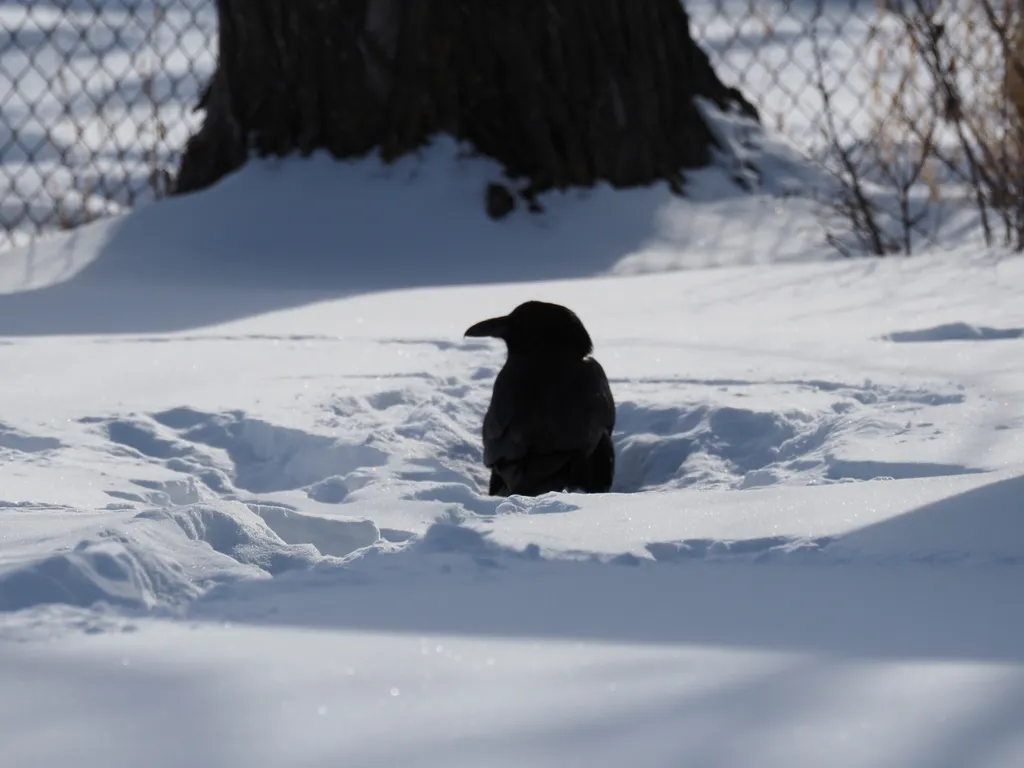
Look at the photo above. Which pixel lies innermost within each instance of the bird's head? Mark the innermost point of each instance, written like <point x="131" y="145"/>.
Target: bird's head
<point x="538" y="327"/>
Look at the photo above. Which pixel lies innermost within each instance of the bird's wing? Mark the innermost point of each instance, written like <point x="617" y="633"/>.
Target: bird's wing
<point x="546" y="408"/>
<point x="604" y="401"/>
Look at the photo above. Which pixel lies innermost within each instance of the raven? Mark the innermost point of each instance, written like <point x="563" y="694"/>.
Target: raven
<point x="550" y="420"/>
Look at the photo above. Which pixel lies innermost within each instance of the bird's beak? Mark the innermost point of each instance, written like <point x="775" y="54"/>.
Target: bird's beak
<point x="495" y="327"/>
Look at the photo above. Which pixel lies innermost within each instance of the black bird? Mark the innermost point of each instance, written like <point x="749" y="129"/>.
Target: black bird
<point x="549" y="424"/>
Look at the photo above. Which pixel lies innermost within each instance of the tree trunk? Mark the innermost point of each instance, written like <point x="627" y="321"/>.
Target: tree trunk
<point x="562" y="93"/>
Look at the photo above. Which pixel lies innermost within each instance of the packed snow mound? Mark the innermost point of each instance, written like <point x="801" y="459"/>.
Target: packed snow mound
<point x="557" y="537"/>
<point x="164" y="557"/>
<point x="983" y="524"/>
<point x="363" y="226"/>
<point x="111" y="570"/>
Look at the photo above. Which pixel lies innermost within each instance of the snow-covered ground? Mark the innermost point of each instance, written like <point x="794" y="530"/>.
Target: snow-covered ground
<point x="243" y="516"/>
<point x="245" y="522"/>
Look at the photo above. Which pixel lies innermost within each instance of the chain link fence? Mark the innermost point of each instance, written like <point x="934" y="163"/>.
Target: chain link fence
<point x="97" y="97"/>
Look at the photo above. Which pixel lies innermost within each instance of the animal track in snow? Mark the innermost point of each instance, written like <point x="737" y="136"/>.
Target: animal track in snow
<point x="669" y="446"/>
<point x="430" y="425"/>
<point x="228" y="451"/>
<point x="331" y="536"/>
<point x="707" y="438"/>
<point x="954" y="332"/>
<point x="417" y="438"/>
<point x="758" y="550"/>
<point x="12" y="439"/>
<point x="459" y="495"/>
<point x="268" y="458"/>
<point x="715" y="443"/>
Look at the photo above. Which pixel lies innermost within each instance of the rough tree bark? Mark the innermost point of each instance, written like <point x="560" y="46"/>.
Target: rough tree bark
<point x="563" y="93"/>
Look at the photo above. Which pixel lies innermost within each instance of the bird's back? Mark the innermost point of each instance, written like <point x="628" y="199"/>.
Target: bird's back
<point x="545" y="413"/>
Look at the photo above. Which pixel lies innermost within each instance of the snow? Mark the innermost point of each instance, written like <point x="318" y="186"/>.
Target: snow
<point x="243" y="498"/>
<point x="244" y="521"/>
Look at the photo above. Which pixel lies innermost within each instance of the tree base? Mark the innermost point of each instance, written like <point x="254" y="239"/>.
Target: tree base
<point x="562" y="93"/>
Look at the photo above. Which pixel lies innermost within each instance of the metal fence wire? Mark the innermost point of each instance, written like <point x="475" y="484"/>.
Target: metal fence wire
<point x="97" y="96"/>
